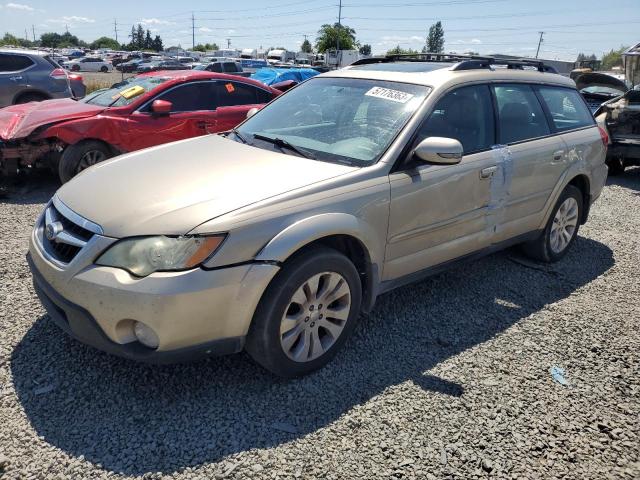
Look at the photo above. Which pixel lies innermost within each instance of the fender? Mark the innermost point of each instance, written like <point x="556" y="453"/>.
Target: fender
<point x="306" y="231"/>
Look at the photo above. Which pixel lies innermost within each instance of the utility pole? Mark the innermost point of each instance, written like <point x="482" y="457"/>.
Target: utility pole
<point x="193" y="30"/>
<point x="33" y="29"/>
<point x="539" y="43"/>
<point x="26" y="35"/>
<point x="228" y="43"/>
<point x="339" y="31"/>
<point x="66" y="27"/>
<point x="115" y="28"/>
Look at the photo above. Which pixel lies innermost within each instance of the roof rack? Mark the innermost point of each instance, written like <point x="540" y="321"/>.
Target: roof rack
<point x="463" y="62"/>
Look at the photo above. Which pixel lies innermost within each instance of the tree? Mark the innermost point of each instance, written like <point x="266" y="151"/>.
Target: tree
<point x="156" y="44"/>
<point x="140" y="37"/>
<point x="435" y="39"/>
<point x="206" y="47"/>
<point x="104" y="42"/>
<point x="365" y="49"/>
<point x="148" y="42"/>
<point x="9" y="39"/>
<point x="401" y="51"/>
<point x="55" y="40"/>
<point x="613" y="58"/>
<point x="306" y="46"/>
<point x="328" y="37"/>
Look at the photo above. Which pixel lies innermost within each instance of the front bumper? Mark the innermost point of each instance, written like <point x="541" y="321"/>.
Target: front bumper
<point x="194" y="313"/>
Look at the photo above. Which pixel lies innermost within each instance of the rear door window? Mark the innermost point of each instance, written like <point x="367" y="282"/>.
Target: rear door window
<point x="14" y="63"/>
<point x="236" y="93"/>
<point x="566" y="107"/>
<point x="215" y="67"/>
<point x="520" y="115"/>
<point x="230" y="67"/>
<point x="465" y="114"/>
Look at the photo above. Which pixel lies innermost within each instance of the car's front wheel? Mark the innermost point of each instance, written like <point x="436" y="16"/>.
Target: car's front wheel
<point x="81" y="156"/>
<point x="306" y="314"/>
<point x="104" y="69"/>
<point x="561" y="229"/>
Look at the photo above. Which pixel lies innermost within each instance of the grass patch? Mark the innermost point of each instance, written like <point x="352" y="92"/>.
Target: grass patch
<point x="93" y="85"/>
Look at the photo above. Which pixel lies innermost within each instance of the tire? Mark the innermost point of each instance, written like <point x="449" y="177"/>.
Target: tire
<point x="616" y="166"/>
<point x="76" y="158"/>
<point x="31" y="97"/>
<point x="75" y="68"/>
<point x="104" y="69"/>
<point x="278" y="343"/>
<point x="550" y="247"/>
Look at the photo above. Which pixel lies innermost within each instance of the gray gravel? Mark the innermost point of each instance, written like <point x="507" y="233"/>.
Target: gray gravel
<point x="448" y="378"/>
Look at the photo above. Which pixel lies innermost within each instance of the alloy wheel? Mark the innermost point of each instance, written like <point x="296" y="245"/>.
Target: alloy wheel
<point x="91" y="158"/>
<point x="315" y="317"/>
<point x="564" y="225"/>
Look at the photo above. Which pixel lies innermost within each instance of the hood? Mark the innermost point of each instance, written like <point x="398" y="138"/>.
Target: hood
<point x="172" y="188"/>
<point x="601" y="80"/>
<point x="18" y="121"/>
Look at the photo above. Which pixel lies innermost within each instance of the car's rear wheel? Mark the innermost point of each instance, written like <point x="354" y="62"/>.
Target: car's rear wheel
<point x="306" y="314"/>
<point x="104" y="69"/>
<point x="30" y="97"/>
<point x="75" y="68"/>
<point x="81" y="156"/>
<point x="561" y="229"/>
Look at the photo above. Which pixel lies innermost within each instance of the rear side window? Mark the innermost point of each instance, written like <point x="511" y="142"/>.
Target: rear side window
<point x="263" y="96"/>
<point x="14" y="63"/>
<point x="567" y="109"/>
<point x="465" y="114"/>
<point x="520" y="115"/>
<point x="230" y="67"/>
<point x="235" y="93"/>
<point x="215" y="67"/>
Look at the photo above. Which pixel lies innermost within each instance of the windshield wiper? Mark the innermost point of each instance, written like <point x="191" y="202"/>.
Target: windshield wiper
<point x="240" y="136"/>
<point x="279" y="142"/>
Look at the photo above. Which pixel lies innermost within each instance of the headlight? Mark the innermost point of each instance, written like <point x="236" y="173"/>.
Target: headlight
<point x="142" y="256"/>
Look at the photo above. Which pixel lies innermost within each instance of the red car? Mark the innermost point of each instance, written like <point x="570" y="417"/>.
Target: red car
<point x="144" y="111"/>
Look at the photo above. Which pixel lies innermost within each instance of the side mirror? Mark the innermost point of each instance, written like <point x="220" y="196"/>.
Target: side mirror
<point x="161" y="107"/>
<point x="439" y="150"/>
<point x="252" y="112"/>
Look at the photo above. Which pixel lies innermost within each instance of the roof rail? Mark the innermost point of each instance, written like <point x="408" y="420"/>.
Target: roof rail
<point x="463" y="62"/>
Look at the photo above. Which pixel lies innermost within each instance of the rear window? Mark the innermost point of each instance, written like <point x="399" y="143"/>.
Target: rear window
<point x="567" y="108"/>
<point x="14" y="63"/>
<point x="230" y="67"/>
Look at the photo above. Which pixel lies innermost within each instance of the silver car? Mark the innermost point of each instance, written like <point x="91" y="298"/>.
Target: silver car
<point x="275" y="236"/>
<point x="28" y="75"/>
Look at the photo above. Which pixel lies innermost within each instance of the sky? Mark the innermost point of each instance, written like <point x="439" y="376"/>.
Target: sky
<point x="483" y="26"/>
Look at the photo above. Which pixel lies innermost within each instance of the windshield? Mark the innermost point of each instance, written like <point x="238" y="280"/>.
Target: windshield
<point x="342" y="120"/>
<point x="124" y="93"/>
<point x="602" y="89"/>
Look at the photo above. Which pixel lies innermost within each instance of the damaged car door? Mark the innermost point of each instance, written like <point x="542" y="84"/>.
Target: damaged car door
<point x="442" y="212"/>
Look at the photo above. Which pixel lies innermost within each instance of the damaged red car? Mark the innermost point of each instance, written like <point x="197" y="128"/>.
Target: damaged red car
<point x="69" y="135"/>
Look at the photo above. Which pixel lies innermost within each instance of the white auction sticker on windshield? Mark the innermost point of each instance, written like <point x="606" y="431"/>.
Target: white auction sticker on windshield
<point x="389" y="94"/>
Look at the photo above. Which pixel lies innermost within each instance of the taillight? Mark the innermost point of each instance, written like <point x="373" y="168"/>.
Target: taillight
<point x="604" y="136"/>
<point x="75" y="76"/>
<point x="58" y="74"/>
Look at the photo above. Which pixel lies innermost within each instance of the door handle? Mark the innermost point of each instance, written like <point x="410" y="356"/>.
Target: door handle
<point x="558" y="155"/>
<point x="488" y="172"/>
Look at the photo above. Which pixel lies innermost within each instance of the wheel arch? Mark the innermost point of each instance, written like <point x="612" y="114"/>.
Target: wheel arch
<point x="30" y="91"/>
<point x="340" y="231"/>
<point x="582" y="183"/>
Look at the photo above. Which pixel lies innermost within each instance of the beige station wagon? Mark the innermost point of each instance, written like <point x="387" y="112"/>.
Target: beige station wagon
<point x="274" y="237"/>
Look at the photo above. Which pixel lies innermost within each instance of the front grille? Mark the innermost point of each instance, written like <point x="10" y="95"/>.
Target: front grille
<point x="61" y="237"/>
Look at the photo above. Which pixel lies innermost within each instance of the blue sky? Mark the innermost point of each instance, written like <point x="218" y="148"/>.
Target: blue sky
<point x="486" y="26"/>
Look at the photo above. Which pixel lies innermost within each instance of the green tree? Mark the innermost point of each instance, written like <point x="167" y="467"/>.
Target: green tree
<point x="401" y="51"/>
<point x="140" y="37"/>
<point x="205" y="47"/>
<point x="435" y="39"/>
<point x="613" y="58"/>
<point x="148" y="42"/>
<point x="328" y="37"/>
<point x="365" y="49"/>
<point x="156" y="44"/>
<point x="9" y="39"/>
<point x="306" y="46"/>
<point x="104" y="42"/>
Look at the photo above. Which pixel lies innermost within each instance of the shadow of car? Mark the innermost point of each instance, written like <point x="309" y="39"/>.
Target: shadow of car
<point x="134" y="418"/>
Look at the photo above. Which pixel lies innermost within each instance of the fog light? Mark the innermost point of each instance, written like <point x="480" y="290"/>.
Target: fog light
<point x="146" y="335"/>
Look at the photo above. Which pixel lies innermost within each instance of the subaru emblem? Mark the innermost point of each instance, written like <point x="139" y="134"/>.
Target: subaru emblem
<point x="52" y="230"/>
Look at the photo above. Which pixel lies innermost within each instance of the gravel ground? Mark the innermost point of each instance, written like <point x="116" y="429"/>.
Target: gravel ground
<point x="448" y="378"/>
